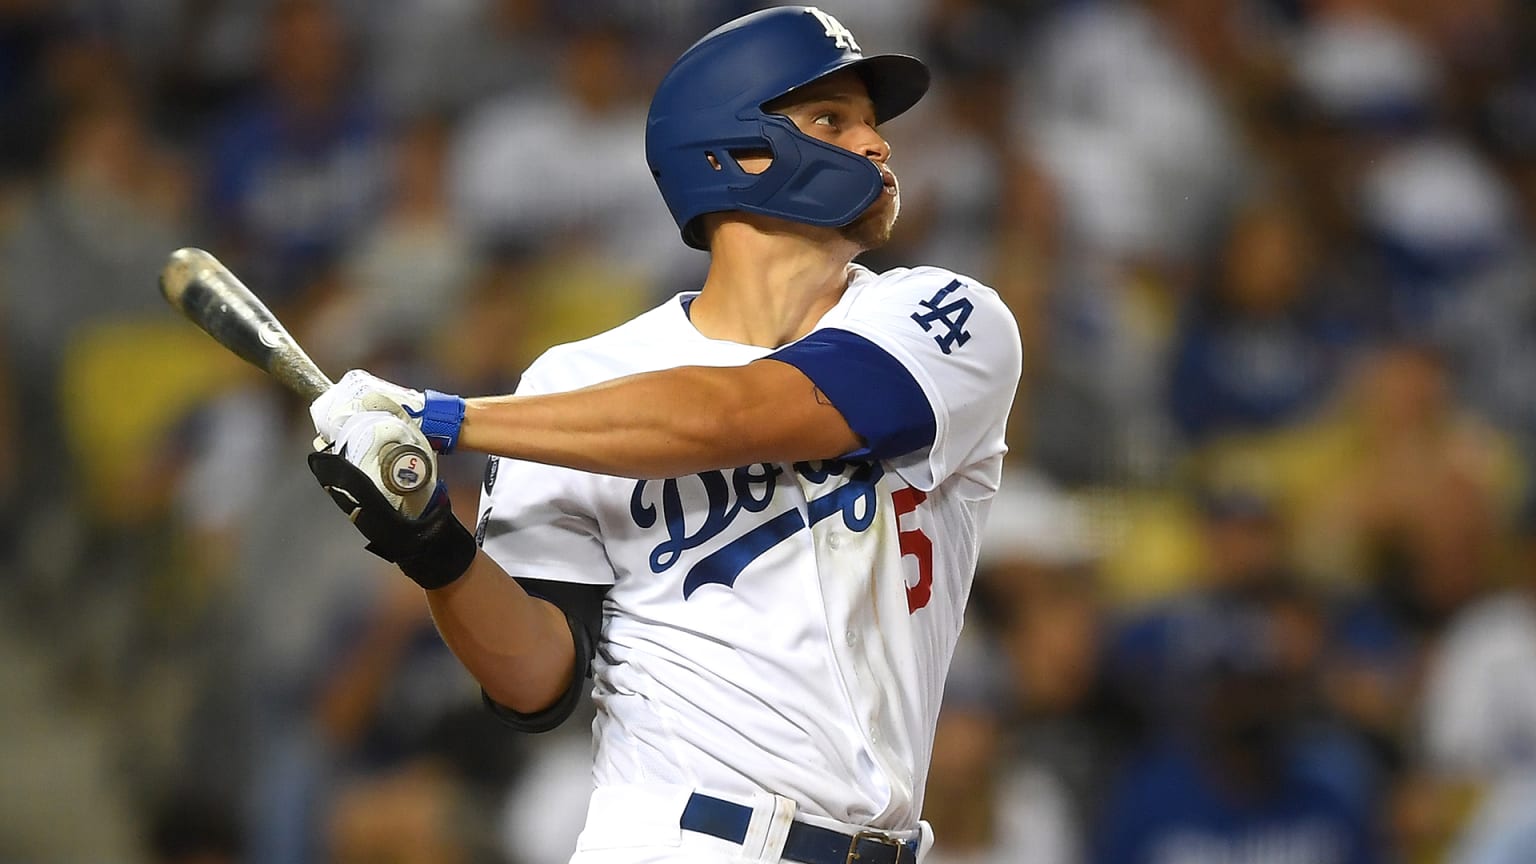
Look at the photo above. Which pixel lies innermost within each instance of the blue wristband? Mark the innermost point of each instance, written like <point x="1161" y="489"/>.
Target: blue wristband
<point x="441" y="419"/>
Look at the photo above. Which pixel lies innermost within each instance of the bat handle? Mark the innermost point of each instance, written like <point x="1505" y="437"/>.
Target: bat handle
<point x="301" y="374"/>
<point x="406" y="468"/>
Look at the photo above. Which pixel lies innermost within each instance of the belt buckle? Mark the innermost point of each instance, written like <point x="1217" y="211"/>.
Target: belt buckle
<point x="876" y="838"/>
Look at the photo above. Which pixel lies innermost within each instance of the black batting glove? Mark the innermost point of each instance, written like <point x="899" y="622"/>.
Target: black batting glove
<point x="433" y="549"/>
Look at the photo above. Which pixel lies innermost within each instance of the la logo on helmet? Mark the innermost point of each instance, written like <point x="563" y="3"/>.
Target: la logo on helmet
<point x="840" y="35"/>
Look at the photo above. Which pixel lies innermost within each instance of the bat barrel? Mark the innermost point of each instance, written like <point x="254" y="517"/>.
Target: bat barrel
<point x="210" y="296"/>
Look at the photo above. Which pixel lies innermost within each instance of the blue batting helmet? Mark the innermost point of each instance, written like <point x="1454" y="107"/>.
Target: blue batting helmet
<point x="710" y="104"/>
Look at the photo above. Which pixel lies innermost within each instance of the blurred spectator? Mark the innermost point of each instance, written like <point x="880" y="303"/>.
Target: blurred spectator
<point x="1025" y="698"/>
<point x="987" y="805"/>
<point x="1119" y="111"/>
<point x="1479" y="702"/>
<point x="1361" y="70"/>
<point x="1414" y="484"/>
<point x="956" y="147"/>
<point x="1493" y="331"/>
<point x="1433" y="211"/>
<point x="1244" y="557"/>
<point x="1441" y="219"/>
<point x="1407" y="530"/>
<point x="1235" y="765"/>
<point x="1258" y="349"/>
<point x="1477" y="718"/>
<point x="299" y="170"/>
<point x="564" y="170"/>
<point x="31" y="33"/>
<point x="1097" y="415"/>
<point x="1238" y="784"/>
<point x="1131" y="128"/>
<point x="441" y="58"/>
<point x="412" y="270"/>
<point x="111" y="204"/>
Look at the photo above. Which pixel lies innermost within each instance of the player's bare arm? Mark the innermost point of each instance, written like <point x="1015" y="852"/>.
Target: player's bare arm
<point x="666" y="424"/>
<point x="519" y="648"/>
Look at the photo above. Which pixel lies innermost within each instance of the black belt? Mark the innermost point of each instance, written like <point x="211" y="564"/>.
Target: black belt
<point x="809" y="844"/>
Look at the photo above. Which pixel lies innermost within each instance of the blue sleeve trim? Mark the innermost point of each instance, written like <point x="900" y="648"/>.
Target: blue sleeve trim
<point x="876" y="395"/>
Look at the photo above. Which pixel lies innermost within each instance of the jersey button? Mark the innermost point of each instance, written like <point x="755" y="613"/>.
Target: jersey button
<point x="851" y="638"/>
<point x="834" y="541"/>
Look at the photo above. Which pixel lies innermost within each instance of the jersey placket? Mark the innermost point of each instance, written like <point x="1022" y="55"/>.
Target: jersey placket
<point x="846" y="562"/>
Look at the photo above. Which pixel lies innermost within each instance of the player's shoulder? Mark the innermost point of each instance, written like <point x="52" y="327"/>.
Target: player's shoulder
<point x="921" y="283"/>
<point x="925" y="297"/>
<point x="634" y="346"/>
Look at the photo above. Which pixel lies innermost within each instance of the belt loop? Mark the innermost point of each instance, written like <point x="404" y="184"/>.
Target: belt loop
<point x="784" y="810"/>
<point x="772" y="816"/>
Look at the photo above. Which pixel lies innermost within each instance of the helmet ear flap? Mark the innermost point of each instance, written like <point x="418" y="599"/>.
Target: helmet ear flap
<point x="807" y="180"/>
<point x="726" y="162"/>
<point x="811" y="181"/>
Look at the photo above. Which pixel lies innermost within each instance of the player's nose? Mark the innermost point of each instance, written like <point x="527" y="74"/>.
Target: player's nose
<point x="873" y="145"/>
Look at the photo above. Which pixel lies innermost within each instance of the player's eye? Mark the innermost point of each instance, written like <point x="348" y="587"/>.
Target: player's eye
<point x="826" y="118"/>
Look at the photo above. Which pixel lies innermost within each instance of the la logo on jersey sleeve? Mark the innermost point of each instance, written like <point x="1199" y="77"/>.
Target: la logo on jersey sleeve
<point x="950" y="312"/>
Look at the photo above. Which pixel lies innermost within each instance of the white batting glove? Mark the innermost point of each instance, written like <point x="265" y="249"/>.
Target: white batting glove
<point x="370" y="440"/>
<point x="436" y="415"/>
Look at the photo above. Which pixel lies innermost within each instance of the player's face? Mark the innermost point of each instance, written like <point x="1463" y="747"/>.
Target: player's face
<point x="837" y="109"/>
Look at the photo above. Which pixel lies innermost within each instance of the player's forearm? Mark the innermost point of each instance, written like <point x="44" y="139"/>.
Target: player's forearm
<point x="518" y="647"/>
<point x="656" y="425"/>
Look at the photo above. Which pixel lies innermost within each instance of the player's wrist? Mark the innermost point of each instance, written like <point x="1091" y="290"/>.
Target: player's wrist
<point x="477" y="431"/>
<point x="442" y="419"/>
<point x="442" y="549"/>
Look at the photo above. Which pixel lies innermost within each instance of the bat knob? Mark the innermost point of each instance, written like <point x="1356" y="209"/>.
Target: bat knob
<point x="406" y="468"/>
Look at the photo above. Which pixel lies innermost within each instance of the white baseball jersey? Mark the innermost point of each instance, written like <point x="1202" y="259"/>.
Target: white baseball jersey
<point x="783" y="628"/>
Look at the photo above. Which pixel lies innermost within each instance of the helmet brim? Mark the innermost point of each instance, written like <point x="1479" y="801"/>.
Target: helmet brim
<point x="895" y="82"/>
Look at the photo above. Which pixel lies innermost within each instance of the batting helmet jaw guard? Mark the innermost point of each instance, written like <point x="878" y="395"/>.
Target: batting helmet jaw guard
<point x="710" y="105"/>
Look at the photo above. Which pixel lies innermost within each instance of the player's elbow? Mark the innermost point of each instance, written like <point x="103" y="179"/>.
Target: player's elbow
<point x="767" y="412"/>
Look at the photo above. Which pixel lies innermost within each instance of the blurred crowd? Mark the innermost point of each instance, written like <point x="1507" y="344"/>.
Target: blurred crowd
<point x="1260" y="587"/>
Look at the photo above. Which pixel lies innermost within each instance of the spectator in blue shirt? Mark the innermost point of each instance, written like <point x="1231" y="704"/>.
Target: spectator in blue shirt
<point x="300" y="169"/>
<point x="1239" y="782"/>
<point x="1257" y="348"/>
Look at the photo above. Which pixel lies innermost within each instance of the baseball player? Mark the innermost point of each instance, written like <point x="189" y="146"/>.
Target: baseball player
<point x="749" y="515"/>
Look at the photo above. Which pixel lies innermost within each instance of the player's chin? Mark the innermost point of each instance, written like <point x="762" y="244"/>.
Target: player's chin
<point x="873" y="227"/>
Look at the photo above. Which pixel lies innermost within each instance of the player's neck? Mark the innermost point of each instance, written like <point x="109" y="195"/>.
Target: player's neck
<point x="769" y="288"/>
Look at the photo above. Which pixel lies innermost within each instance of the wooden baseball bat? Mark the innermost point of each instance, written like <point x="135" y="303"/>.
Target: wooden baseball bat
<point x="210" y="296"/>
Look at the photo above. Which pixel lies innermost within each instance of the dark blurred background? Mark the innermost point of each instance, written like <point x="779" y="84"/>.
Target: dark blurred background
<point x="1260" y="587"/>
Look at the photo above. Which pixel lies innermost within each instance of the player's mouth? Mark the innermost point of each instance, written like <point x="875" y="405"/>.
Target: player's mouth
<point x="888" y="179"/>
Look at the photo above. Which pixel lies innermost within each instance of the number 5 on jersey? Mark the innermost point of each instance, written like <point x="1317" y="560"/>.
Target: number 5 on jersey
<point x="915" y="543"/>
